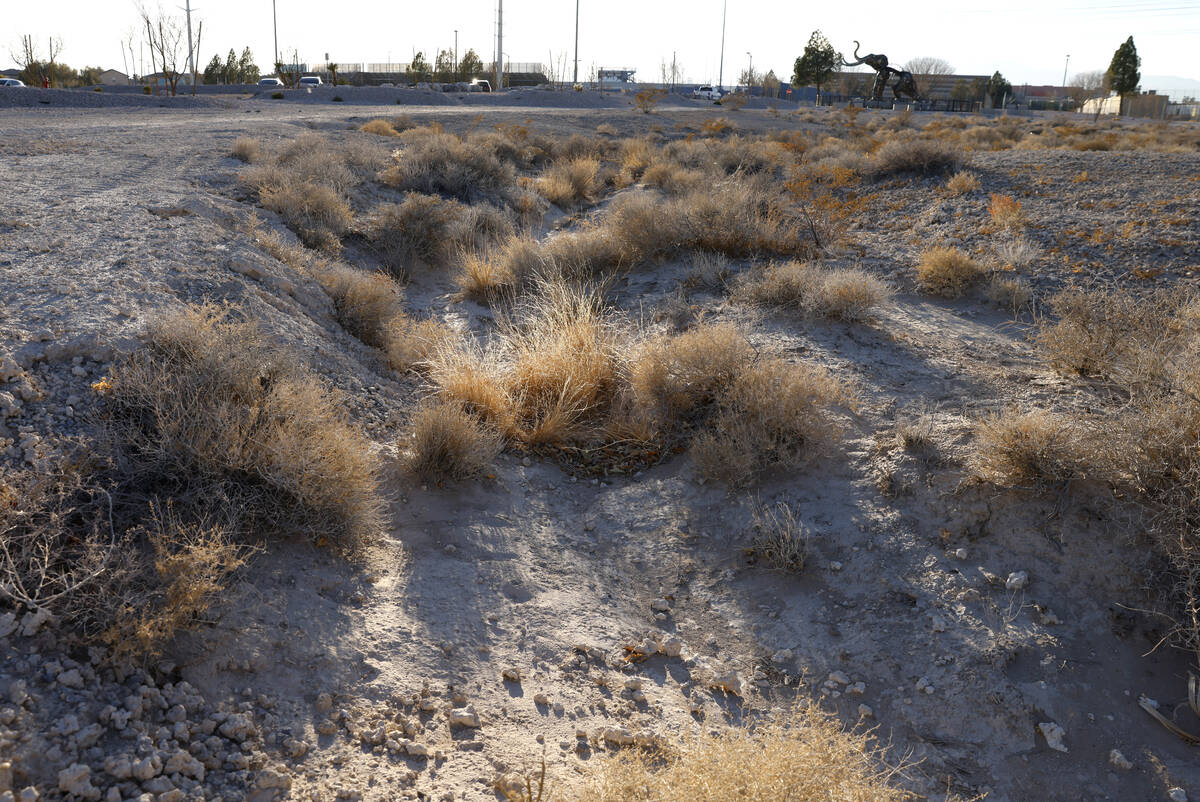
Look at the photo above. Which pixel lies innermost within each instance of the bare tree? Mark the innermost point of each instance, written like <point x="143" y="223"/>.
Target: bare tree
<point x="1086" y="85"/>
<point x="924" y="68"/>
<point x="28" y="56"/>
<point x="164" y="34"/>
<point x="30" y="59"/>
<point x="55" y="48"/>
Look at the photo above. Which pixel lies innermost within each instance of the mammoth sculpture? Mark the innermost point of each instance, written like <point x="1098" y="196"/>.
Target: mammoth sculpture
<point x="904" y="85"/>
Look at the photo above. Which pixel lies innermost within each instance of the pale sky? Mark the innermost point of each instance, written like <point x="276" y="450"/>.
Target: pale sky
<point x="1028" y="41"/>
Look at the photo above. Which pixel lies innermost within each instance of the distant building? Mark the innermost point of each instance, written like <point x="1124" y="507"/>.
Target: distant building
<point x="113" y="78"/>
<point x="1189" y="110"/>
<point x="1145" y="104"/>
<point x="616" y="79"/>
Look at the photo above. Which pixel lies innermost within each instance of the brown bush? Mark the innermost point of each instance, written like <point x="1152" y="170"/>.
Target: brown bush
<point x="1028" y="448"/>
<point x="947" y="272"/>
<point x="768" y="417"/>
<point x="379" y="128"/>
<point x="780" y="538"/>
<point x="317" y="214"/>
<point x="923" y="156"/>
<point x="430" y="230"/>
<point x="962" y="182"/>
<point x="1011" y="292"/>
<point x="647" y="99"/>
<point x="804" y="754"/>
<point x="486" y="275"/>
<point x="675" y="376"/>
<point x="840" y="293"/>
<point x="1006" y="212"/>
<point x="246" y="149"/>
<point x="446" y="442"/>
<point x="569" y="184"/>
<point x="437" y="163"/>
<point x="210" y="406"/>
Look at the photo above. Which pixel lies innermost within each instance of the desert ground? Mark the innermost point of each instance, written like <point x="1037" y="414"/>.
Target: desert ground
<point x="361" y="452"/>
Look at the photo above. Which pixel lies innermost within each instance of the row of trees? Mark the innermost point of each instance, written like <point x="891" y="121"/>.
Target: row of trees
<point x="443" y="68"/>
<point x="234" y="70"/>
<point x="40" y="68"/>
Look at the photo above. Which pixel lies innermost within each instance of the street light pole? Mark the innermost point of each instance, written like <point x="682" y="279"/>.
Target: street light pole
<point x="721" y="69"/>
<point x="275" y="25"/>
<point x="575" y="78"/>
<point x="1064" y="83"/>
<point x="750" y="75"/>
<point x="456" y="55"/>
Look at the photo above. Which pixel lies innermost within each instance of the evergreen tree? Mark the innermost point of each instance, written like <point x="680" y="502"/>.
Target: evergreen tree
<point x="212" y="73"/>
<point x="230" y="72"/>
<point x="998" y="89"/>
<point x="1123" y="74"/>
<point x="419" y="67"/>
<point x="247" y="69"/>
<point x="817" y="64"/>
<point x="471" y="65"/>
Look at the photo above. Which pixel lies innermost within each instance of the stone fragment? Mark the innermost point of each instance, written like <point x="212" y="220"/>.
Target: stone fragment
<point x="671" y="647"/>
<point x="147" y="768"/>
<point x="1054" y="734"/>
<point x="511" y="674"/>
<point x="75" y="780"/>
<point x="464" y="717"/>
<point x="660" y="606"/>
<point x="1016" y="580"/>
<point x="1119" y="761"/>
<point x="730" y="681"/>
<point x="1177" y="794"/>
<point x="617" y="735"/>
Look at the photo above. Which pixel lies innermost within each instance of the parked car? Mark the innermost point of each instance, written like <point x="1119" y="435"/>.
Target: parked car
<point x="706" y="92"/>
<point x="481" y="85"/>
<point x="270" y="82"/>
<point x="310" y="80"/>
<point x="11" y="82"/>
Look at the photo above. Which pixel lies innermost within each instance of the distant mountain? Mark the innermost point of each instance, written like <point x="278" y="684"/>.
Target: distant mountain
<point x="1172" y="85"/>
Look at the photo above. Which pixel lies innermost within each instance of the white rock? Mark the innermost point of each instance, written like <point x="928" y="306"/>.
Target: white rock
<point x="1016" y="580"/>
<point x="731" y="682"/>
<point x="671" y="647"/>
<point x="1054" y="734"/>
<point x="118" y="766"/>
<point x="269" y="778"/>
<point x="32" y="621"/>
<point x="147" y="768"/>
<point x="782" y="656"/>
<point x="417" y="750"/>
<point x="1119" y="761"/>
<point x="633" y="684"/>
<point x="511" y="674"/>
<point x="464" y="717"/>
<point x="838" y="678"/>
<point x="183" y="763"/>
<point x="237" y="727"/>
<point x="76" y="780"/>
<point x="960" y="554"/>
<point x="1177" y="795"/>
<point x="617" y="735"/>
<point x="660" y="606"/>
<point x="541" y="699"/>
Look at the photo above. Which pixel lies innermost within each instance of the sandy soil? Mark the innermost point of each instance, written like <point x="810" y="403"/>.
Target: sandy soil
<point x="902" y="621"/>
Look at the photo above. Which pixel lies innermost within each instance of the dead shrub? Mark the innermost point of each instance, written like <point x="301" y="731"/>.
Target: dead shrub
<point x="430" y="230"/>
<point x="780" y="538"/>
<point x="947" y="272"/>
<point x="1016" y="448"/>
<point x="210" y="406"/>
<point x="446" y="442"/>
<point x="673" y="179"/>
<point x="839" y="293"/>
<point x="411" y="343"/>
<point x="317" y="214"/>
<point x="803" y="754"/>
<point x="647" y="99"/>
<point x="437" y="163"/>
<point x="569" y="184"/>
<point x="1006" y="212"/>
<point x="962" y="183"/>
<point x="379" y="128"/>
<point x="923" y="156"/>
<point x="1011" y="292"/>
<point x="768" y="417"/>
<point x="677" y="376"/>
<point x="246" y="149"/>
<point x="486" y="275"/>
<point x="1017" y="252"/>
<point x="365" y="303"/>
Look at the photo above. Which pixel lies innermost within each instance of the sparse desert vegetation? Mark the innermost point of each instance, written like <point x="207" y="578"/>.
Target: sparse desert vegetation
<point x="412" y="447"/>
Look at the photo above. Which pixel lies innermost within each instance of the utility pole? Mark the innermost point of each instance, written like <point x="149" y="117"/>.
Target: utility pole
<point x="721" y="69"/>
<point x="191" y="52"/>
<point x="1064" y="83"/>
<point x="499" y="46"/>
<point x="275" y="25"/>
<point x="575" y="78"/>
<point x="750" y="76"/>
<point x="456" y="54"/>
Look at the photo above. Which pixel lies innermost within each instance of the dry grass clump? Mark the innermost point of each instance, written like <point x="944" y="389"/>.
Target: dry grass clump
<point x="317" y="214"/>
<point x="488" y="274"/>
<point x="780" y="537"/>
<point x="571" y="183"/>
<point x="916" y="155"/>
<point x="947" y="272"/>
<point x="840" y="293"/>
<point x="447" y="442"/>
<point x="1027" y="448"/>
<point x="673" y="179"/>
<point x="962" y="182"/>
<point x="211" y="407"/>
<point x="1011" y="292"/>
<point x="246" y="149"/>
<point x="431" y="230"/>
<point x="674" y="377"/>
<point x="1017" y="252"/>
<point x="379" y="127"/>
<point x="436" y="163"/>
<point x="803" y="755"/>
<point x="768" y="417"/>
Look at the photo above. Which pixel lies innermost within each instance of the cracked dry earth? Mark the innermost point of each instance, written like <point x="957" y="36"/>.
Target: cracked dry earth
<point x="992" y="638"/>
